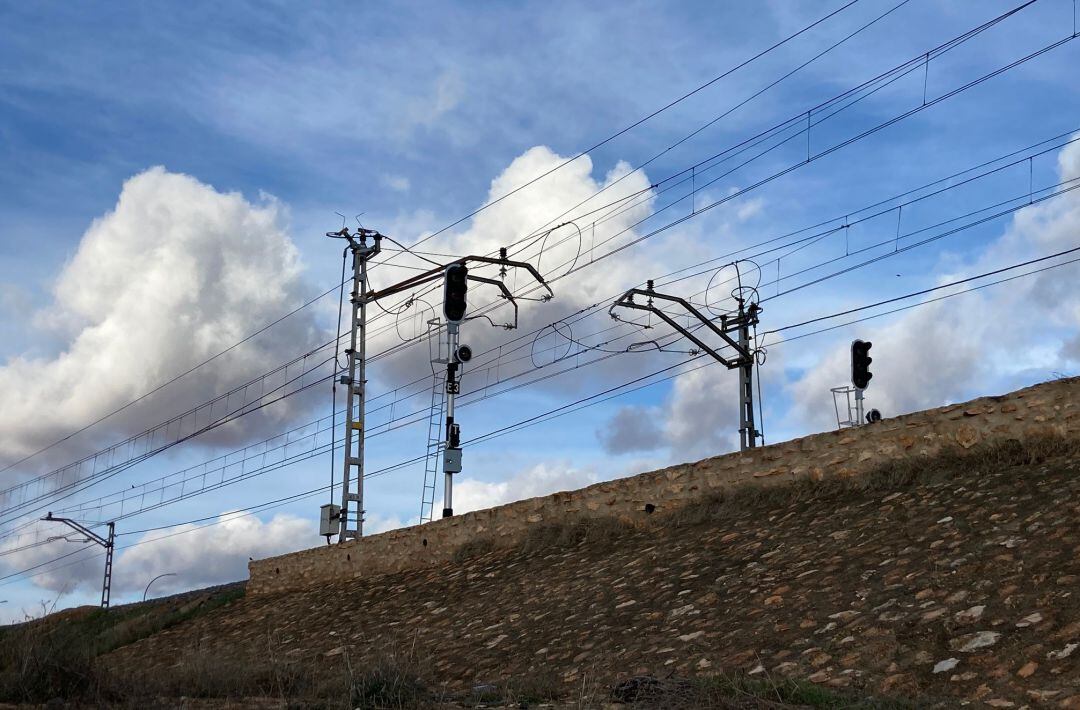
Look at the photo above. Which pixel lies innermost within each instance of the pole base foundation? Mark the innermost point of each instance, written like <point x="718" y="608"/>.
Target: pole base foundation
<point x="448" y="512"/>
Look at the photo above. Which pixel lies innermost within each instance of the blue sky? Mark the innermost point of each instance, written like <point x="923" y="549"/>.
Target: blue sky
<point x="415" y="114"/>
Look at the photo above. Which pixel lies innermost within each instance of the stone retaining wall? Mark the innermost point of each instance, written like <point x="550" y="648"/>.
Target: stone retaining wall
<point x="1050" y="408"/>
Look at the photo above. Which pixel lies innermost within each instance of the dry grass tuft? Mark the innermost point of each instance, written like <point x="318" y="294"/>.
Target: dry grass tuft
<point x="741" y="692"/>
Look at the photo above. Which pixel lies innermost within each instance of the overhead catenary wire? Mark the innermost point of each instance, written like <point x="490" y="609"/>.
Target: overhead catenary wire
<point x="738" y="193"/>
<point x="637" y="123"/>
<point x="640" y="166"/>
<point x="590" y="400"/>
<point x="817" y="156"/>
<point x="797" y="120"/>
<point x="573" y="269"/>
<point x="594" y="348"/>
<point x="473" y="213"/>
<point x="65" y="492"/>
<point x="168" y="382"/>
<point x="956" y="185"/>
<point x="936" y="288"/>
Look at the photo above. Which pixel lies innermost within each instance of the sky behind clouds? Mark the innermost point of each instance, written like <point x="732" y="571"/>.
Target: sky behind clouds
<point x="169" y="171"/>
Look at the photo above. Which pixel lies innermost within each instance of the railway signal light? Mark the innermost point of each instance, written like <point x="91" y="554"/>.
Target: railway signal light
<point x="860" y="363"/>
<point x="455" y="286"/>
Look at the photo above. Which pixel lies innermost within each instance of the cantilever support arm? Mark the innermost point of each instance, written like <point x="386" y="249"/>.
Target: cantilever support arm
<point x="436" y="273"/>
<point x="516" y="264"/>
<point x="627" y="301"/>
<point x="94" y="537"/>
<point x="505" y="293"/>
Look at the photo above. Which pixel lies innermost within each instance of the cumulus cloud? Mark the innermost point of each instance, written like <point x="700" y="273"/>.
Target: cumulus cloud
<point x="210" y="555"/>
<point x="504" y="223"/>
<point x="523" y="213"/>
<point x="397" y="183"/>
<point x="540" y="480"/>
<point x="174" y="273"/>
<point x="954" y="349"/>
<point x="194" y="556"/>
<point x="698" y="418"/>
<point x="632" y="428"/>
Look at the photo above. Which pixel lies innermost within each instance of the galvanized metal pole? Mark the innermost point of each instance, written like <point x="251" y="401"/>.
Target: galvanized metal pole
<point x="355" y="381"/>
<point x="106" y="586"/>
<point x="452" y="450"/>
<point x="107" y="542"/>
<point x="747" y="430"/>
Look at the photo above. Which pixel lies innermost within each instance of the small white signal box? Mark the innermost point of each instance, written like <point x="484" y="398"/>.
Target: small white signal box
<point x="330" y="519"/>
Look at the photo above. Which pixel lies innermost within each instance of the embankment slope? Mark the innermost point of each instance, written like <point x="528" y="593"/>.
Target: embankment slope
<point x="940" y="580"/>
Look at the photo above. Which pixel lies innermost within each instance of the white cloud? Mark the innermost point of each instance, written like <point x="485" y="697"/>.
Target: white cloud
<point x="173" y="274"/>
<point x="194" y="556"/>
<point x="375" y="523"/>
<point x="210" y="555"/>
<point x="523" y="213"/>
<point x="397" y="183"/>
<point x="507" y="221"/>
<point x="540" y="480"/>
<point x="962" y="347"/>
<point x="699" y="418"/>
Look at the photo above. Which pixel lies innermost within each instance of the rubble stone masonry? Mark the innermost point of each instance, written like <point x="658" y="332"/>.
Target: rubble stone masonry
<point x="1050" y="408"/>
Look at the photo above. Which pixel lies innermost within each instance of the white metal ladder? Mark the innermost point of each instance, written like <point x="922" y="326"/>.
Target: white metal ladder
<point x="435" y="445"/>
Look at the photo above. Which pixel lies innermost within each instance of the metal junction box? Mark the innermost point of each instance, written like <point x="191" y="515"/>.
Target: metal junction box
<point x="452" y="461"/>
<point x="330" y="519"/>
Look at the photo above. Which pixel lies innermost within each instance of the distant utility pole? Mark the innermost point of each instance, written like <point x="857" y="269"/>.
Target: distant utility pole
<point x="744" y="318"/>
<point x="350" y="516"/>
<point x="91" y="536"/>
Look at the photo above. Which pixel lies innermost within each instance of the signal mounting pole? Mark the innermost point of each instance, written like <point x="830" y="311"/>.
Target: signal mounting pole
<point x="351" y="514"/>
<point x="746" y="316"/>
<point x="456" y="276"/>
<point x="106" y="542"/>
<point x="860" y="380"/>
<point x="860" y="373"/>
<point x="455" y="287"/>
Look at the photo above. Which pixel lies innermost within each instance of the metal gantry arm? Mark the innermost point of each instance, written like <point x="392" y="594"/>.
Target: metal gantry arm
<point x="740" y="324"/>
<point x="505" y="294"/>
<point x="91" y="536"/>
<point x="436" y="273"/>
<point x="627" y="301"/>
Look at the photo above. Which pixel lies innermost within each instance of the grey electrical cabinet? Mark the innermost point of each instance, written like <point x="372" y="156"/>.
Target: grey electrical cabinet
<point x="452" y="461"/>
<point x="330" y="519"/>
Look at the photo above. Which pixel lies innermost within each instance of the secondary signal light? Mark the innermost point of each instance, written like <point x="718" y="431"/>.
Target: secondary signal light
<point x="860" y="363"/>
<point x="455" y="286"/>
